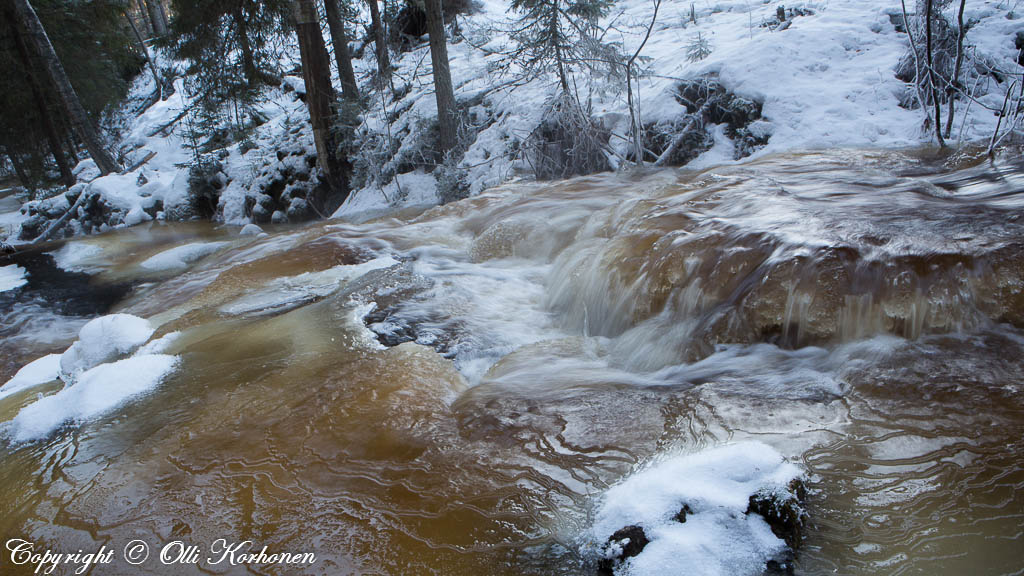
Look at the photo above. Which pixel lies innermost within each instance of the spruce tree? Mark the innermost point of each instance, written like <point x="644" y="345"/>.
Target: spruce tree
<point x="556" y="35"/>
<point x="227" y="45"/>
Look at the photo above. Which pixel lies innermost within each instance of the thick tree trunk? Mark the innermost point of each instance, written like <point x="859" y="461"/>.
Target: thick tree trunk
<point x="39" y="42"/>
<point x="349" y="88"/>
<point x="446" y="112"/>
<point x="52" y="137"/>
<point x="316" y="72"/>
<point x="380" y="44"/>
<point x="157" y="16"/>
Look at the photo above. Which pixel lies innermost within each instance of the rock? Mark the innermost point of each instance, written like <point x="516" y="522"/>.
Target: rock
<point x="707" y="102"/>
<point x="278" y="217"/>
<point x="681" y="515"/>
<point x="782" y="510"/>
<point x="102" y="340"/>
<point x="624" y="543"/>
<point x="32" y="227"/>
<point x="250" y="230"/>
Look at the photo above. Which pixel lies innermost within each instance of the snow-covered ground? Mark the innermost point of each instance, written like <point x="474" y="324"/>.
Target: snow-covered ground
<point x="826" y="79"/>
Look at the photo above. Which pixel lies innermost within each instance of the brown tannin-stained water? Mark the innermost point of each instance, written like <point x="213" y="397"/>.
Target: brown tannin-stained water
<point x="452" y="393"/>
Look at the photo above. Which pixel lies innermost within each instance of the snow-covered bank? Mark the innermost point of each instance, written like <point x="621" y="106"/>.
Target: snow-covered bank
<point x="824" y="77"/>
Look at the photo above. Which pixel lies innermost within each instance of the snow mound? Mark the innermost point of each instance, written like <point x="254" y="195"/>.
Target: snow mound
<point x="103" y="340"/>
<point x="41" y="371"/>
<point x="97" y="392"/>
<point x="181" y="256"/>
<point x="11" y="277"/>
<point x="718" y="537"/>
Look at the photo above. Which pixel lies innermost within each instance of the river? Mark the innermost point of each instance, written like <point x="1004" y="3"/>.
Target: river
<point x="452" y="392"/>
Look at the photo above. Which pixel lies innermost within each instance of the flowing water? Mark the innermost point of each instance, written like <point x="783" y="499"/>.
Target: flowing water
<point x="452" y="392"/>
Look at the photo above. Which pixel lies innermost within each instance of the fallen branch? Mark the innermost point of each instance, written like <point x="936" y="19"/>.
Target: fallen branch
<point x="60" y="222"/>
<point x="696" y="117"/>
<point x="135" y="166"/>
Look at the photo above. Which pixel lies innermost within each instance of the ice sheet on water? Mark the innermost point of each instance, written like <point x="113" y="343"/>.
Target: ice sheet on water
<point x="79" y="257"/>
<point x="718" y="538"/>
<point x="292" y="291"/>
<point x="181" y="256"/>
<point x="12" y="276"/>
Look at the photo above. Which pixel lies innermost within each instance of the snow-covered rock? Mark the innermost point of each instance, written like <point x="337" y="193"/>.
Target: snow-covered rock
<point x="97" y="392"/>
<point x="181" y="256"/>
<point x="250" y="230"/>
<point x="41" y="371"/>
<point x="104" y="339"/>
<point x="710" y="492"/>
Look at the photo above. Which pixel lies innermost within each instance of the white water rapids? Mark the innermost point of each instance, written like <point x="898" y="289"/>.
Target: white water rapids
<point x="455" y="392"/>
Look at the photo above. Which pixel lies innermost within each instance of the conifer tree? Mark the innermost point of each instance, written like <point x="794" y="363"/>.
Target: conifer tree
<point x="557" y="35"/>
<point x="227" y="46"/>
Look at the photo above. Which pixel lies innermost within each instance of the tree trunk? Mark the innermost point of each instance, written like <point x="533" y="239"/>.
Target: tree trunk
<point x="349" y="88"/>
<point x="52" y="137"/>
<point x="248" y="64"/>
<point x="380" y="44"/>
<point x="554" y="32"/>
<point x="145" y="52"/>
<point x="316" y="72"/>
<point x="445" y="95"/>
<point x="931" y="75"/>
<point x="19" y="171"/>
<point x="143" y="12"/>
<point x="39" y="42"/>
<point x="956" y="68"/>
<point x="157" y="17"/>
